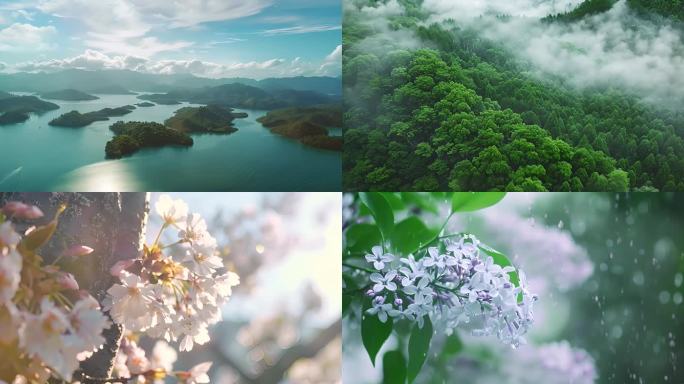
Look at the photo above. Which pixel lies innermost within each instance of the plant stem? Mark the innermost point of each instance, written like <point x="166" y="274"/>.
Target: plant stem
<point x="358" y="268"/>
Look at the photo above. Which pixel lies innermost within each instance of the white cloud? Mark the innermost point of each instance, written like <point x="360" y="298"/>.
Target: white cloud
<point x="301" y="29"/>
<point x="89" y="60"/>
<point x="96" y="60"/>
<point x="615" y="48"/>
<point x="25" y="37"/>
<point x="332" y="64"/>
<point x="185" y="13"/>
<point x="469" y="9"/>
<point x="335" y="55"/>
<point x="125" y="26"/>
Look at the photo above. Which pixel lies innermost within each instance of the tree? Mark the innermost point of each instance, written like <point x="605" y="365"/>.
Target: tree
<point x="113" y="224"/>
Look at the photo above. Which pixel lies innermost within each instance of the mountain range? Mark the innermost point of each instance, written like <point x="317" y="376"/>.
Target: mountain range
<point x="92" y="81"/>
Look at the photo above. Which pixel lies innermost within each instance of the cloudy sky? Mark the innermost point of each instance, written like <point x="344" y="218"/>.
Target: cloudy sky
<point x="213" y="38"/>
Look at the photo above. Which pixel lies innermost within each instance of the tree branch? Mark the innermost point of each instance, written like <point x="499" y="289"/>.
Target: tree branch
<point x="275" y="373"/>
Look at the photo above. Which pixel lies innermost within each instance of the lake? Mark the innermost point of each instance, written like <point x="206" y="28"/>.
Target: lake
<point x="37" y="157"/>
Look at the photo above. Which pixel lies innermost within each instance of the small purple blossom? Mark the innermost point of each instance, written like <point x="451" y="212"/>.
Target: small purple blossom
<point x="378" y="257"/>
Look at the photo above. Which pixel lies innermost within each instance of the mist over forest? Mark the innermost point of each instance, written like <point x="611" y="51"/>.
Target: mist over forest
<point x="559" y="95"/>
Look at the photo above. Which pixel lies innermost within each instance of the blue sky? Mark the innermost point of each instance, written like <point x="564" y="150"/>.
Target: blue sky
<point x="212" y="38"/>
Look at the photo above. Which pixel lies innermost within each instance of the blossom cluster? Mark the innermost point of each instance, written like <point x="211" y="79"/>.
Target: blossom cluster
<point x="47" y="325"/>
<point x="131" y="362"/>
<point x="454" y="284"/>
<point x="552" y="363"/>
<point x="173" y="291"/>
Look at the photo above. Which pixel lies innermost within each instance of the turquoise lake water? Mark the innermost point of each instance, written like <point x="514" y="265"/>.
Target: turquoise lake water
<point x="37" y="157"/>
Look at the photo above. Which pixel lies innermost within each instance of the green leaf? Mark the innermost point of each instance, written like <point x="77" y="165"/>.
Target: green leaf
<point x="346" y="303"/>
<point x="411" y="234"/>
<point x="361" y="238"/>
<point x="419" y="344"/>
<point x="393" y="368"/>
<point x="502" y="260"/>
<point x="422" y="201"/>
<point x="350" y="287"/>
<point x="381" y="211"/>
<point x="374" y="333"/>
<point x="394" y="200"/>
<point x="41" y="235"/>
<point x="452" y="346"/>
<point x="473" y="201"/>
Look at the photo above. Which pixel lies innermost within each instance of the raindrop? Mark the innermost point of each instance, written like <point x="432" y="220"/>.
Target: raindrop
<point x="638" y="278"/>
<point x="616" y="332"/>
<point x="560" y="224"/>
<point x="678" y="279"/>
<point x="664" y="297"/>
<point x="677" y="298"/>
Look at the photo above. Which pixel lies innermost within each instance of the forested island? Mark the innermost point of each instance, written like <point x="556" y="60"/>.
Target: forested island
<point x="13" y="117"/>
<point x="132" y="136"/>
<point x="239" y="95"/>
<point x="307" y="125"/>
<point x="77" y="119"/>
<point x="16" y="109"/>
<point x="68" y="95"/>
<point x="467" y="113"/>
<point x="145" y="104"/>
<point x="207" y="119"/>
<point x="110" y="90"/>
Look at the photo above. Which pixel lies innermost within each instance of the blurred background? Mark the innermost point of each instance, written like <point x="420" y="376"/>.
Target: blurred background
<point x="282" y="324"/>
<point x="608" y="269"/>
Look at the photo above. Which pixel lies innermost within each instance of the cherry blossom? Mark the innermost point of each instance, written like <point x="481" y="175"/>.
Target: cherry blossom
<point x="171" y="211"/>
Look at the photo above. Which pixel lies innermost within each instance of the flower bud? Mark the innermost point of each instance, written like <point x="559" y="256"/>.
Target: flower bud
<point x="370" y="293"/>
<point x="20" y="210"/>
<point x="78" y="250"/>
<point x="398" y="302"/>
<point x="121" y="266"/>
<point x="66" y="281"/>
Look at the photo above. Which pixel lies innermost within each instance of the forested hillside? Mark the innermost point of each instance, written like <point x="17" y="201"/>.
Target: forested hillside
<point x="452" y="109"/>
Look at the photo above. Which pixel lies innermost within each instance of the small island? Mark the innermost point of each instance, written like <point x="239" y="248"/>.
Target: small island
<point x="132" y="136"/>
<point x="20" y="106"/>
<point x="110" y="90"/>
<point x="307" y="125"/>
<point x="13" y="117"/>
<point x="161" y="98"/>
<point x="208" y="119"/>
<point x="77" y="119"/>
<point x="68" y="95"/>
<point x="145" y="104"/>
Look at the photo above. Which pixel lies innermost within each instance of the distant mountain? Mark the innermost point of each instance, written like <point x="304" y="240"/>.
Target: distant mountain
<point x="90" y="81"/>
<point x="326" y="85"/>
<point x="110" y="90"/>
<point x="237" y="95"/>
<point x="68" y="95"/>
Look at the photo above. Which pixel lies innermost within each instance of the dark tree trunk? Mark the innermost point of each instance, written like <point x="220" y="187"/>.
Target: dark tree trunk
<point x="113" y="224"/>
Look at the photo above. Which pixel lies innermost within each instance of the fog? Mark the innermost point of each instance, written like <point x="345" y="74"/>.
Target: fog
<point x="615" y="48"/>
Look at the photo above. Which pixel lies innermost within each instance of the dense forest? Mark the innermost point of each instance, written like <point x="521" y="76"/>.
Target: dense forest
<point x="459" y="111"/>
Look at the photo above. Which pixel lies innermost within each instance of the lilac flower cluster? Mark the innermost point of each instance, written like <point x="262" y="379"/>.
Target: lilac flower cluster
<point x="455" y="285"/>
